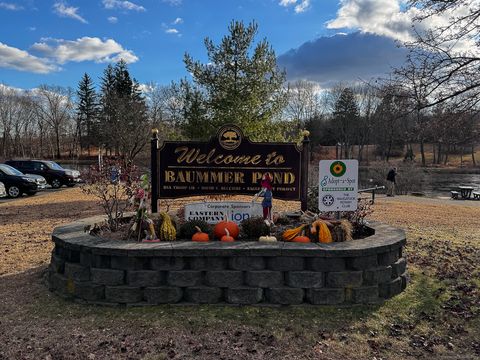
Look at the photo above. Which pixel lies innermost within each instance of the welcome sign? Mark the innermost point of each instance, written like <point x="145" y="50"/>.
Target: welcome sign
<point x="227" y="164"/>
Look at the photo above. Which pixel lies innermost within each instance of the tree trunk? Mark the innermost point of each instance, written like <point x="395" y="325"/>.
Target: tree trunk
<point x="473" y="155"/>
<point x="422" y="152"/>
<point x="57" y="142"/>
<point x="360" y="153"/>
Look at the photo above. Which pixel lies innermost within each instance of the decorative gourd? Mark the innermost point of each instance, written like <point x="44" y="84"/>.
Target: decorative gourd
<point x="324" y="235"/>
<point x="200" y="236"/>
<point x="267" y="238"/>
<point x="301" y="238"/>
<point x="167" y="230"/>
<point x="289" y="234"/>
<point x="227" y="237"/>
<point x="220" y="229"/>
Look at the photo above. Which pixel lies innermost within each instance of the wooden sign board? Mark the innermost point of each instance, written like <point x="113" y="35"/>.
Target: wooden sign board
<point x="227" y="164"/>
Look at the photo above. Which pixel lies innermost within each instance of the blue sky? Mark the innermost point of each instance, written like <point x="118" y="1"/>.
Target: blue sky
<point x="55" y="42"/>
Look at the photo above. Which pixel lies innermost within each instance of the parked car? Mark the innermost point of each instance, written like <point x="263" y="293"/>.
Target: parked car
<point x="3" y="192"/>
<point x="54" y="174"/>
<point x="15" y="184"/>
<point x="39" y="180"/>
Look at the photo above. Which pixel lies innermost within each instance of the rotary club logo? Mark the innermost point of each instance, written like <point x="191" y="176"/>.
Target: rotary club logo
<point x="338" y="168"/>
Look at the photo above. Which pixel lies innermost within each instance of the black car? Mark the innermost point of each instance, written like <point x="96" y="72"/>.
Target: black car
<point x="16" y="184"/>
<point x="55" y="175"/>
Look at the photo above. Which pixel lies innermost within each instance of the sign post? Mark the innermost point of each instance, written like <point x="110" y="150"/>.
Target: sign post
<point x="338" y="185"/>
<point x="154" y="169"/>
<point x="304" y="169"/>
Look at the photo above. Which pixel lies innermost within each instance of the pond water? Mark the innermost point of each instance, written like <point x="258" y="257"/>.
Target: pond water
<point x="433" y="182"/>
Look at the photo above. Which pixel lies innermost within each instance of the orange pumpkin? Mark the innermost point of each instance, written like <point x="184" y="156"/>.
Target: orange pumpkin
<point x="200" y="236"/>
<point x="301" y="238"/>
<point x="227" y="237"/>
<point x="220" y="229"/>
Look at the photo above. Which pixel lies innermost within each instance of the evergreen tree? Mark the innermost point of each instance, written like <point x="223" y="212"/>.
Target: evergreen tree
<point x="345" y="116"/>
<point x="87" y="113"/>
<point x="107" y="113"/>
<point x="240" y="84"/>
<point x="124" y="112"/>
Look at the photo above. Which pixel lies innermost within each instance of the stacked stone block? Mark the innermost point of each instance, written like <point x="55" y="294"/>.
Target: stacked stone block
<point x="245" y="273"/>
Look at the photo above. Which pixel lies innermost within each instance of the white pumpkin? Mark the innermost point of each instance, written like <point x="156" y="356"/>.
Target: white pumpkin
<point x="267" y="238"/>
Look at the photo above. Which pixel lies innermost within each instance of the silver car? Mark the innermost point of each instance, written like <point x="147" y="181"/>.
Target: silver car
<point x="3" y="192"/>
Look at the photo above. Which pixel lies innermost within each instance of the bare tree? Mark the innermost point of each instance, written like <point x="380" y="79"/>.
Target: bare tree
<point x="303" y="102"/>
<point x="54" y="107"/>
<point x="450" y="52"/>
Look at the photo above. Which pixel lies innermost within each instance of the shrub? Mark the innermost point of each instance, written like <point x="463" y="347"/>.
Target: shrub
<point x="410" y="177"/>
<point x="113" y="185"/>
<point x="254" y="227"/>
<point x="312" y="198"/>
<point x="187" y="230"/>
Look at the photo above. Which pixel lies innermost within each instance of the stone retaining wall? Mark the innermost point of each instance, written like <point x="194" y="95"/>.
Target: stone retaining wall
<point x="96" y="270"/>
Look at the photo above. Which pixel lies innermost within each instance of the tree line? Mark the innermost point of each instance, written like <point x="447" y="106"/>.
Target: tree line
<point x="242" y="84"/>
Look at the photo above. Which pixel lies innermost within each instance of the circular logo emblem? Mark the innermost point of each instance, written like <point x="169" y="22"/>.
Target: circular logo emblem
<point x="230" y="137"/>
<point x="338" y="168"/>
<point x="328" y="200"/>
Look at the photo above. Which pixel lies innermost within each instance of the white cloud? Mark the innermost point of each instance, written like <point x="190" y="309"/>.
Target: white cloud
<point x="171" y="31"/>
<point x="388" y="18"/>
<point x="32" y="28"/>
<point x="173" y="2"/>
<point x="84" y="49"/>
<point x="13" y="58"/>
<point x="64" y="10"/>
<point x="122" y="4"/>
<point x="112" y="19"/>
<point x="380" y="17"/>
<point x="10" y="6"/>
<point x="299" y="6"/>
<point x="177" y="21"/>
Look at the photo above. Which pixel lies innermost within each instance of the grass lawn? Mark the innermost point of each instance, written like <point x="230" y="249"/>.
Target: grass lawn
<point x="436" y="317"/>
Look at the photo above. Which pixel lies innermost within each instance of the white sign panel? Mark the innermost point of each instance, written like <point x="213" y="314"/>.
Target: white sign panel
<point x="338" y="185"/>
<point x="214" y="212"/>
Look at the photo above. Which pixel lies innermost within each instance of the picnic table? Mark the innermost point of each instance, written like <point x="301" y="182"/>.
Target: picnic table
<point x="465" y="191"/>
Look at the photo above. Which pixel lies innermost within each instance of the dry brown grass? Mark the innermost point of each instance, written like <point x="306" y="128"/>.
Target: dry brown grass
<point x="436" y="317"/>
<point x="26" y="226"/>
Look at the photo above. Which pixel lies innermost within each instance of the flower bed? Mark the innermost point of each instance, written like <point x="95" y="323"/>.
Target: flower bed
<point x="97" y="270"/>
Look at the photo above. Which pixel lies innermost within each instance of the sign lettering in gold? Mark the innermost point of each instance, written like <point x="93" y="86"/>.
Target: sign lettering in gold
<point x="228" y="164"/>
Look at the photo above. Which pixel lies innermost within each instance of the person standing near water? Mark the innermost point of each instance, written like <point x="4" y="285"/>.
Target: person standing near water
<point x="391" y="182"/>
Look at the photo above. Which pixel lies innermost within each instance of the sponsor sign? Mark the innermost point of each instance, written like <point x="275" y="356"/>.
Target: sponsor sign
<point x="214" y="212"/>
<point x="338" y="185"/>
<point x="228" y="164"/>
